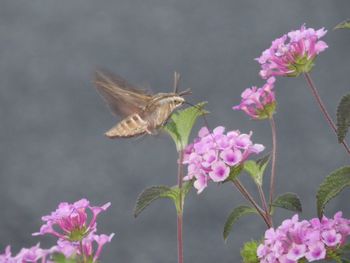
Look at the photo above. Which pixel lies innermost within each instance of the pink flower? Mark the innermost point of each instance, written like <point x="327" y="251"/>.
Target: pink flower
<point x="72" y="220"/>
<point x="317" y="251"/>
<point x="259" y="103"/>
<point x="211" y="155"/>
<point x="292" y="54"/>
<point x="294" y="240"/>
<point x="331" y="238"/>
<point x="296" y="252"/>
<point x="7" y="257"/>
<point x="219" y="172"/>
<point x="90" y="246"/>
<point x="33" y="254"/>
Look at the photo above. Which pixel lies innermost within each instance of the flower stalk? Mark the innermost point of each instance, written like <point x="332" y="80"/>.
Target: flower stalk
<point x="251" y="200"/>
<point x="264" y="205"/>
<point x="273" y="161"/>
<point x="322" y="107"/>
<point x="180" y="213"/>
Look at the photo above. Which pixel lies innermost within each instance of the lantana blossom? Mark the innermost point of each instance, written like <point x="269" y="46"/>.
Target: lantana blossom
<point x="259" y="103"/>
<point x="292" y="53"/>
<point x="32" y="254"/>
<point x="211" y="155"/>
<point x="71" y="220"/>
<point x="310" y="240"/>
<point x="91" y="246"/>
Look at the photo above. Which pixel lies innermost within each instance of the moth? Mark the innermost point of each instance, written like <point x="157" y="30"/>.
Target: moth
<point x="141" y="112"/>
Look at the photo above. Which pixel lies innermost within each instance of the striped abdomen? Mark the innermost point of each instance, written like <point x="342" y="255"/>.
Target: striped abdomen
<point x="132" y="125"/>
<point x="153" y="116"/>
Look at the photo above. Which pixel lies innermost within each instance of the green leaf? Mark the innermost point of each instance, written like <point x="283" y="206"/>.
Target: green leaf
<point x="331" y="187"/>
<point x="343" y="25"/>
<point x="343" y="117"/>
<point x="289" y="201"/>
<point x="237" y="213"/>
<point x="186" y="187"/>
<point x="151" y="194"/>
<point x="157" y="192"/>
<point x="345" y="248"/>
<point x="60" y="258"/>
<point x="257" y="168"/>
<point x="181" y="123"/>
<point x="333" y="254"/>
<point x="235" y="171"/>
<point x="179" y="202"/>
<point x="248" y="252"/>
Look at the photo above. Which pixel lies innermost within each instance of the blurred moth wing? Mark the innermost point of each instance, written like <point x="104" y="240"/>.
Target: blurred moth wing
<point x="141" y="113"/>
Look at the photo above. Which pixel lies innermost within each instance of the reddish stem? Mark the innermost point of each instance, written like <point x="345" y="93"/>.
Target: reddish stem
<point x="273" y="161"/>
<point x="323" y="108"/>
<point x="180" y="213"/>
<point x="249" y="198"/>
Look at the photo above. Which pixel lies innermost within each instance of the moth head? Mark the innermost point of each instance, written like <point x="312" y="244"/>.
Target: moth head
<point x="178" y="101"/>
<point x="178" y="98"/>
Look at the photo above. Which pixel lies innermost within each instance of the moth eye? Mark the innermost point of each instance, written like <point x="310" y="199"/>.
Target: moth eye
<point x="177" y="101"/>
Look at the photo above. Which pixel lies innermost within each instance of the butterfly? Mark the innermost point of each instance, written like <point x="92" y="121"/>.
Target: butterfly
<point x="141" y="112"/>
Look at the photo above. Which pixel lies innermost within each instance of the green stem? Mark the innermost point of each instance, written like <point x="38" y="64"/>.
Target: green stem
<point x="250" y="199"/>
<point x="323" y="108"/>
<point x="273" y="161"/>
<point x="264" y="204"/>
<point x="82" y="251"/>
<point x="180" y="213"/>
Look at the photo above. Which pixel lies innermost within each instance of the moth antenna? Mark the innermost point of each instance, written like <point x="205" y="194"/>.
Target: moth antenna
<point x="176" y="81"/>
<point x="185" y="92"/>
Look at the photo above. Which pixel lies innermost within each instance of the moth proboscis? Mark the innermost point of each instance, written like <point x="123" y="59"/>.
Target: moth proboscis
<point x="141" y="112"/>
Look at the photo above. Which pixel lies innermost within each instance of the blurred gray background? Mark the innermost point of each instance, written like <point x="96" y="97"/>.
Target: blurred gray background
<point x="52" y="147"/>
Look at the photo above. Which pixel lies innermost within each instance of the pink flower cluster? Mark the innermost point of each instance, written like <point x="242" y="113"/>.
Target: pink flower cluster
<point x="290" y="55"/>
<point x="33" y="254"/>
<point x="86" y="248"/>
<point x="211" y="155"/>
<point x="76" y="235"/>
<point x="293" y="53"/>
<point x="310" y="240"/>
<point x="71" y="220"/>
<point x="258" y="103"/>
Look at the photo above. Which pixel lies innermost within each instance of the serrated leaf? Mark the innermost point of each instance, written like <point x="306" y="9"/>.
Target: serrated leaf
<point x="331" y="187"/>
<point x="289" y="201"/>
<point x="257" y="168"/>
<point x="181" y="123"/>
<point x="237" y="213"/>
<point x="343" y="25"/>
<point x="343" y="117"/>
<point x="151" y="194"/>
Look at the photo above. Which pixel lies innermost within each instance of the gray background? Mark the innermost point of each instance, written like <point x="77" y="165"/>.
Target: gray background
<point x="52" y="120"/>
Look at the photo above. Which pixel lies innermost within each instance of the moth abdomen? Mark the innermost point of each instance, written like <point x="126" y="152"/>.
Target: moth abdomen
<point x="130" y="126"/>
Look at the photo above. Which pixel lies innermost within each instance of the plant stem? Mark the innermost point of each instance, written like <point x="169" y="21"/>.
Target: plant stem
<point x="273" y="161"/>
<point x="264" y="204"/>
<point x="82" y="251"/>
<point x="249" y="198"/>
<point x="180" y="213"/>
<point x="323" y="108"/>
